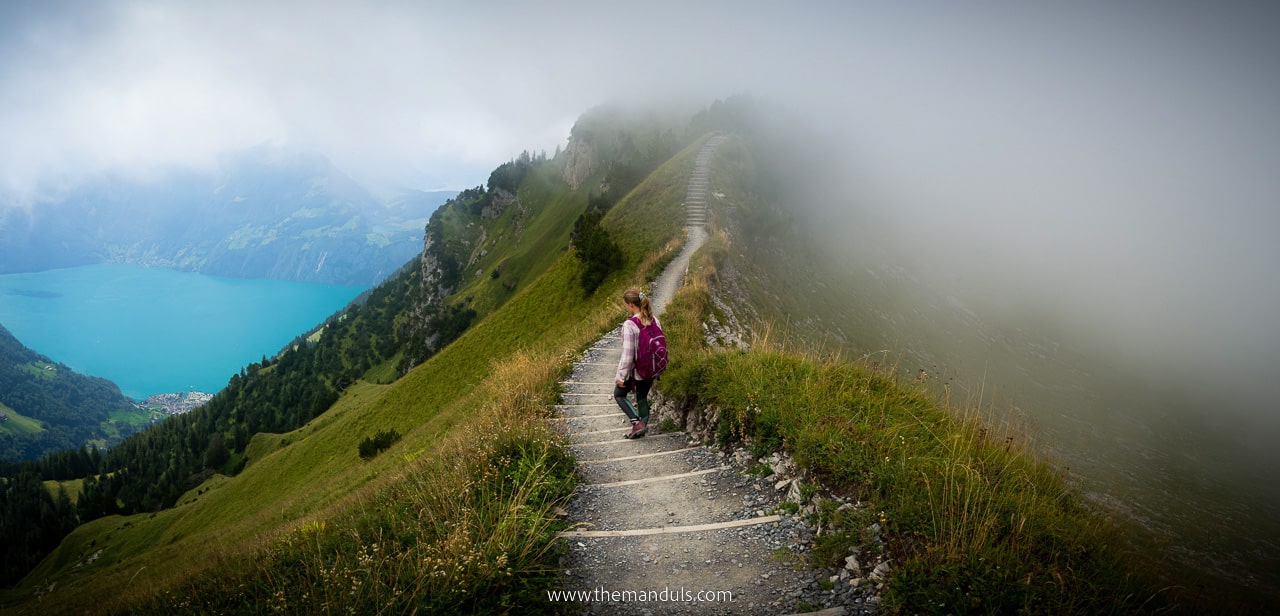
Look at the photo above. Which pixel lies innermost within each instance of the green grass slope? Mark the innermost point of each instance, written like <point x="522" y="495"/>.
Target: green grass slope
<point x="521" y="244"/>
<point x="462" y="415"/>
<point x="18" y="424"/>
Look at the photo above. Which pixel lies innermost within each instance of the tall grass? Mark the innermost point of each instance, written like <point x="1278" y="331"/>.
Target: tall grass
<point x="970" y="518"/>
<point x="469" y="529"/>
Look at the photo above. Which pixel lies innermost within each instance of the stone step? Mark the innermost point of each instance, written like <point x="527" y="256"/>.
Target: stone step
<point x="610" y="435"/>
<point x="619" y="447"/>
<point x="694" y="496"/>
<point x="583" y="410"/>
<point x="586" y="397"/>
<point x="583" y="424"/>
<point x="601" y="388"/>
<point x="658" y="478"/>
<point x="648" y="465"/>
<point x="569" y="419"/>
<point x="671" y="530"/>
<point x="639" y="456"/>
<point x="601" y="371"/>
<point x="599" y="436"/>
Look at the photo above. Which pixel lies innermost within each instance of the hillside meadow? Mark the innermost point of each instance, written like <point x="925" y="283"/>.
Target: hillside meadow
<point x="472" y="410"/>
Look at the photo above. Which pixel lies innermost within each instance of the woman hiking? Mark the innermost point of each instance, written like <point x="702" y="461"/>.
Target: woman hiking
<point x="628" y="376"/>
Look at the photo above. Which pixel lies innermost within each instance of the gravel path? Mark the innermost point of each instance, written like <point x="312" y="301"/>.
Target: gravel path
<point x="661" y="519"/>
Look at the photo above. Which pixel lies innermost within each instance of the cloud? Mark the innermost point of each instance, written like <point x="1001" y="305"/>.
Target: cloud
<point x="422" y="94"/>
<point x="1121" y="129"/>
<point x="393" y="92"/>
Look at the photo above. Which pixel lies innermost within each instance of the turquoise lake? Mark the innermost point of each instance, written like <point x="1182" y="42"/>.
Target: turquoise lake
<point x="154" y="330"/>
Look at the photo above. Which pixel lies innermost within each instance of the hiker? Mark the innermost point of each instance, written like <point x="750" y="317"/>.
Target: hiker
<point x="644" y="355"/>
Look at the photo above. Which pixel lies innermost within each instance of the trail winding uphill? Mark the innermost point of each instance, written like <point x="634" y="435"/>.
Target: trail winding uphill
<point x="663" y="524"/>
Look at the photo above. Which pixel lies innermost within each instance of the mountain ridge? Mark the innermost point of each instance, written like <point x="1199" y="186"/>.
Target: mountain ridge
<point x="266" y="213"/>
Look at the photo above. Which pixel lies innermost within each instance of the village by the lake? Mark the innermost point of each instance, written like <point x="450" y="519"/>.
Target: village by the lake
<point x="175" y="403"/>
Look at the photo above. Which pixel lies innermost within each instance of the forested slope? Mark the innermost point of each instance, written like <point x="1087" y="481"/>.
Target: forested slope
<point x="70" y="408"/>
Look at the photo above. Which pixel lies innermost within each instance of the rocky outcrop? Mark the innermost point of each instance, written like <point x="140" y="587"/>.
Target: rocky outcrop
<point x="580" y="162"/>
<point x="498" y="204"/>
<point x="434" y="286"/>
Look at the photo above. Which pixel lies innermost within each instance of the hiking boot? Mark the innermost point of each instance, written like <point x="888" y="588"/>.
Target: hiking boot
<point x="638" y="429"/>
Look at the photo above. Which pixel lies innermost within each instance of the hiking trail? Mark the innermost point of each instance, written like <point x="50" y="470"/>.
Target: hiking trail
<point x="666" y="513"/>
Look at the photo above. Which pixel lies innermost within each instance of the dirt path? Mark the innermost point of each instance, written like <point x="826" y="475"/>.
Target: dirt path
<point x="662" y="521"/>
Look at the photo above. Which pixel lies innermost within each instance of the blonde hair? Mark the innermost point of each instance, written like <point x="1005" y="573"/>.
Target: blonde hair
<point x="635" y="298"/>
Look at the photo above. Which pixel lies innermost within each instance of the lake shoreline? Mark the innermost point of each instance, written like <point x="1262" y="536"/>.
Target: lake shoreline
<point x="158" y="331"/>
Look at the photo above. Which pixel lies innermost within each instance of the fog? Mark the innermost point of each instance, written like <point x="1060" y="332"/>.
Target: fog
<point x="1115" y="164"/>
<point x="1108" y="173"/>
<point x="1116" y="170"/>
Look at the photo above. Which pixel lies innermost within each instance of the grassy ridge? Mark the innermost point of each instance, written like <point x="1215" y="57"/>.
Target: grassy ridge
<point x="305" y="499"/>
<point x="973" y="520"/>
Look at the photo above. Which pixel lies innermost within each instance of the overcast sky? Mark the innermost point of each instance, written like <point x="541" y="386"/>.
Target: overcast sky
<point x="1137" y="143"/>
<point x="429" y="95"/>
<point x="433" y="95"/>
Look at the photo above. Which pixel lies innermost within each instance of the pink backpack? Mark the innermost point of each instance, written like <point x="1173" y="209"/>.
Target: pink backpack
<point x="651" y="351"/>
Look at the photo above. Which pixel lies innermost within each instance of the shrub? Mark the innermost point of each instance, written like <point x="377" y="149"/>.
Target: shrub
<point x="593" y="246"/>
<point x="378" y="443"/>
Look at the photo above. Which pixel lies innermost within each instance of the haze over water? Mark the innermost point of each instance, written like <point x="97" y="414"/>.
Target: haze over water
<point x="154" y="330"/>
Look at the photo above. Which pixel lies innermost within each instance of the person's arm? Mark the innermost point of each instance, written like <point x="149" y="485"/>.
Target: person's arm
<point x="627" y="363"/>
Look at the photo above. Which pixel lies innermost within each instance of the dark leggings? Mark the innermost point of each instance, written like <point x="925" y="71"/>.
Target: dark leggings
<point x="641" y="411"/>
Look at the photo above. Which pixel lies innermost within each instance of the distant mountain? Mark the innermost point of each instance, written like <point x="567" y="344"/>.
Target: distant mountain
<point x="46" y="407"/>
<point x="268" y="213"/>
